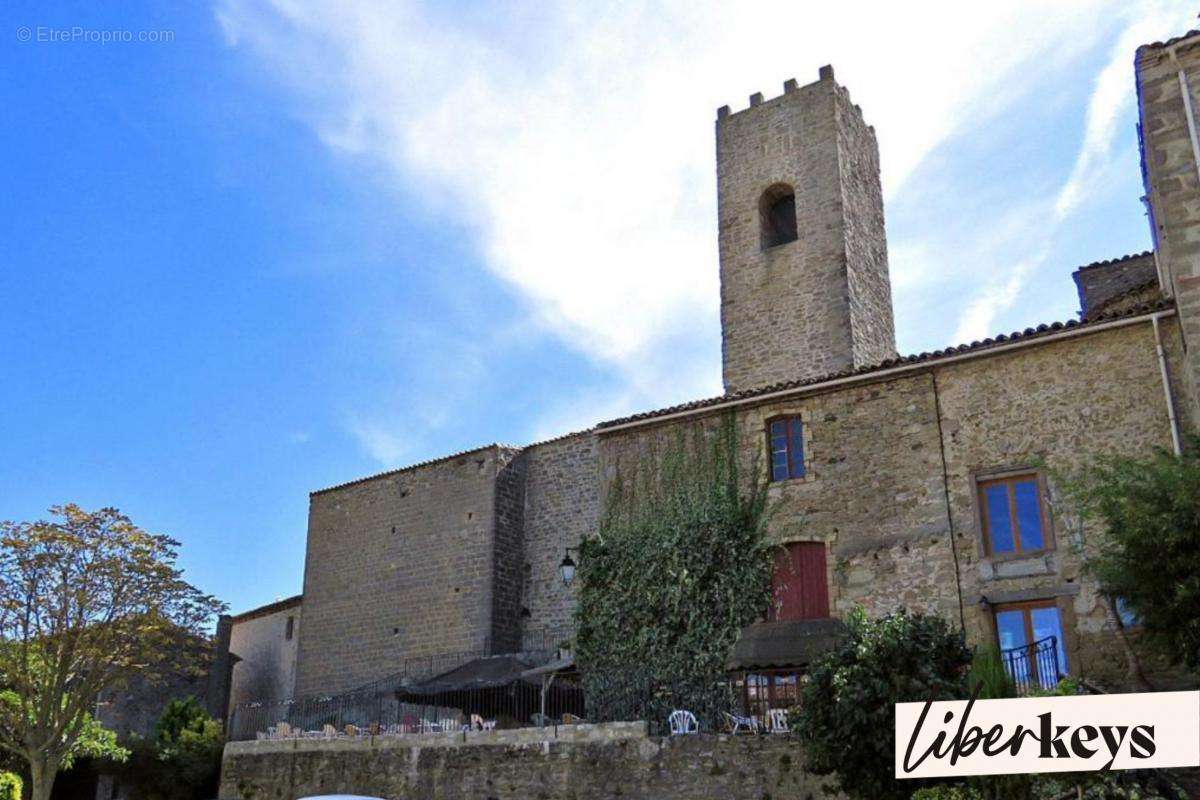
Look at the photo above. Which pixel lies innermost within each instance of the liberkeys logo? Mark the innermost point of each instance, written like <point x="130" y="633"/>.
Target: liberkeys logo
<point x="1047" y="734"/>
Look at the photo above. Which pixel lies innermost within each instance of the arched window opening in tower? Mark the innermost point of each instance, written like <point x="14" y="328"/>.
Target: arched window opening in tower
<point x="778" y="212"/>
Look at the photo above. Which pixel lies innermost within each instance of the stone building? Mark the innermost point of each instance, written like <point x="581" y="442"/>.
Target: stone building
<point x="923" y="482"/>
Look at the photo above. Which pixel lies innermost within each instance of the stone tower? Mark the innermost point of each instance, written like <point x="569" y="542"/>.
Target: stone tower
<point x="1168" y="78"/>
<point x="804" y="275"/>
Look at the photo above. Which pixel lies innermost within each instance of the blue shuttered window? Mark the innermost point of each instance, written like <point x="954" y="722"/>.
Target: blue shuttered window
<point x="785" y="443"/>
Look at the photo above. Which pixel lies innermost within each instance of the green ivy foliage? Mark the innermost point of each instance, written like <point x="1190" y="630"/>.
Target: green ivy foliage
<point x="846" y="718"/>
<point x="680" y="566"/>
<point x="1151" y="553"/>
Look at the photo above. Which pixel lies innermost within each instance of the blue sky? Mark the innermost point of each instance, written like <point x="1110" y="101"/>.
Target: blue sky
<point x="301" y="243"/>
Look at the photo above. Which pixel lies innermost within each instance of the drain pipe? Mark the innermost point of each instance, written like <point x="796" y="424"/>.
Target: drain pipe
<point x="1166" y="382"/>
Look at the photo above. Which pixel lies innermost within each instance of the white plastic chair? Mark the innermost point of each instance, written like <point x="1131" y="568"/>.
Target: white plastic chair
<point x="682" y="722"/>
<point x="777" y="720"/>
<point x="736" y="723"/>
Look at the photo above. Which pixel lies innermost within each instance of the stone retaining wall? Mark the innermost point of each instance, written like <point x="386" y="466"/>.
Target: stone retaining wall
<point x="583" y="762"/>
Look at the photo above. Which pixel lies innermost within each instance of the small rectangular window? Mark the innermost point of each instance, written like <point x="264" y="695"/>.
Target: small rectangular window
<point x="1012" y="514"/>
<point x="291" y="628"/>
<point x="785" y="444"/>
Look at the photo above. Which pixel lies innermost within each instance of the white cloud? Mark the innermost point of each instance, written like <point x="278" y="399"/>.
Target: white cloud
<point x="579" y="139"/>
<point x="1111" y="103"/>
<point x="383" y="443"/>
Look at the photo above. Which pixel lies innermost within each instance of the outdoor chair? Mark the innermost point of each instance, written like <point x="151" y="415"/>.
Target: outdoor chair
<point x="283" y="730"/>
<point x="571" y="719"/>
<point x="682" y="722"/>
<point x="737" y="722"/>
<point x="328" y="731"/>
<point x="777" y="720"/>
<point x="478" y="723"/>
<point x="351" y="731"/>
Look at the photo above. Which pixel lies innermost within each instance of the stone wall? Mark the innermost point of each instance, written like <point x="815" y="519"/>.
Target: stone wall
<point x="562" y="505"/>
<point x="1101" y="283"/>
<point x="903" y="532"/>
<point x="508" y="551"/>
<point x="400" y="565"/>
<point x="594" y="762"/>
<point x="265" y="668"/>
<point x="821" y="303"/>
<point x="1050" y="408"/>
<point x="1170" y="172"/>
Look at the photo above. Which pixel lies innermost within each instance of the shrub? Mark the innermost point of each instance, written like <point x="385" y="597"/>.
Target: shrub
<point x="10" y="786"/>
<point x="183" y="761"/>
<point x="847" y="714"/>
<point x="1151" y="554"/>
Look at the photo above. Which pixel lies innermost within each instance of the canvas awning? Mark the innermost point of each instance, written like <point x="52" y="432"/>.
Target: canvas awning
<point x="550" y="668"/>
<point x="792" y="643"/>
<point x="480" y="673"/>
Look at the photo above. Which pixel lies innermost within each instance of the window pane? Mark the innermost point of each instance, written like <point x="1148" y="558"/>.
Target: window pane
<point x="1029" y="516"/>
<point x="779" y="467"/>
<point x="779" y="453"/>
<point x="1010" y="626"/>
<point x="797" y="448"/>
<point x="998" y="519"/>
<point x="1046" y="622"/>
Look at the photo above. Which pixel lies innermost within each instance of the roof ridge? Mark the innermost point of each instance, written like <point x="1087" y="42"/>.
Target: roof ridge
<point x="406" y="468"/>
<point x="1172" y="41"/>
<point x="268" y="608"/>
<point x="1108" y="262"/>
<point x="932" y="357"/>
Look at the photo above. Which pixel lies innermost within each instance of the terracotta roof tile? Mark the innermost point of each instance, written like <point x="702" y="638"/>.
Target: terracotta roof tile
<point x="976" y="346"/>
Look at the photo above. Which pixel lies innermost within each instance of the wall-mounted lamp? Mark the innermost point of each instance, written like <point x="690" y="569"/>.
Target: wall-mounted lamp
<point x="984" y="603"/>
<point x="567" y="568"/>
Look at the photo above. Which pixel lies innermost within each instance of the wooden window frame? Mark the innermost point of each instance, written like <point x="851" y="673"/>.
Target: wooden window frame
<point x="1026" y="608"/>
<point x="759" y="706"/>
<point x="791" y="457"/>
<point x="983" y="517"/>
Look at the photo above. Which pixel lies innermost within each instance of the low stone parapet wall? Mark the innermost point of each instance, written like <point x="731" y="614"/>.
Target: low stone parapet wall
<point x="581" y="762"/>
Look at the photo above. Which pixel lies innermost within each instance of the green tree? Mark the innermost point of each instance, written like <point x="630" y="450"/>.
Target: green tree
<point x="679" y="567"/>
<point x="847" y="713"/>
<point x="1150" y="555"/>
<point x="183" y="760"/>
<point x="87" y="600"/>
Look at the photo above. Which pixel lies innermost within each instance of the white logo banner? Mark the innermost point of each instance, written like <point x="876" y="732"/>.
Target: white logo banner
<point x="1047" y="734"/>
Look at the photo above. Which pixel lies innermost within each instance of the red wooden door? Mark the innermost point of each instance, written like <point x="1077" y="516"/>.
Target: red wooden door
<point x="798" y="588"/>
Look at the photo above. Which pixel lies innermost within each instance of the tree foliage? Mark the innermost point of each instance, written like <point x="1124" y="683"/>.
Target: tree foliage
<point x="183" y="761"/>
<point x="847" y="712"/>
<point x="680" y="566"/>
<point x="87" y="600"/>
<point x="1150" y="555"/>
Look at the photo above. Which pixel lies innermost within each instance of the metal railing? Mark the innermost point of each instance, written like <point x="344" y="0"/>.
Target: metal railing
<point x="1033" y="667"/>
<point x="517" y="705"/>
<point x="376" y="704"/>
<point x="611" y="695"/>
